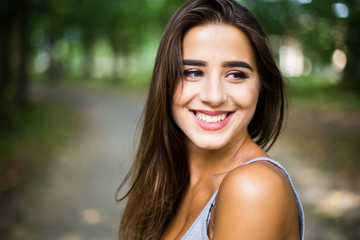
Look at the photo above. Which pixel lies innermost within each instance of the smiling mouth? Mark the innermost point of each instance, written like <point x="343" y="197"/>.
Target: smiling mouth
<point x="213" y="118"/>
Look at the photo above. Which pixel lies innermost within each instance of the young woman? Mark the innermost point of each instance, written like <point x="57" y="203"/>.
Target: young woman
<point x="216" y="104"/>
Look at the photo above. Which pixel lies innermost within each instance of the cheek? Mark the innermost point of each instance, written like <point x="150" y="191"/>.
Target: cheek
<point x="184" y="93"/>
<point x="179" y="101"/>
<point x="245" y="96"/>
<point x="177" y="95"/>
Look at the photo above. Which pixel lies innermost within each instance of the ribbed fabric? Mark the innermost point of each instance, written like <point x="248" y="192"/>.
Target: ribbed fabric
<point x="199" y="229"/>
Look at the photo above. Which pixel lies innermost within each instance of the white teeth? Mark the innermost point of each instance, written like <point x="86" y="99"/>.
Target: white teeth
<point x="210" y="119"/>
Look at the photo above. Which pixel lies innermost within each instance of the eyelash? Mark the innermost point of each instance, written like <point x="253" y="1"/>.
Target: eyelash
<point x="191" y="73"/>
<point x="199" y="73"/>
<point x="240" y="75"/>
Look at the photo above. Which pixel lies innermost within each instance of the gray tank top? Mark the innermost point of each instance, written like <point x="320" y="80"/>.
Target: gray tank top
<point x="199" y="229"/>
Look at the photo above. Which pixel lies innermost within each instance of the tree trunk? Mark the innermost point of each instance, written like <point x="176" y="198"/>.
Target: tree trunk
<point x="6" y="20"/>
<point x="52" y="72"/>
<point x="351" y="77"/>
<point x="89" y="58"/>
<point x="116" y="50"/>
<point x="21" y="96"/>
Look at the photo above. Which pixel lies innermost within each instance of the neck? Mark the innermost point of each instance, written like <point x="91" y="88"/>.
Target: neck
<point x="205" y="164"/>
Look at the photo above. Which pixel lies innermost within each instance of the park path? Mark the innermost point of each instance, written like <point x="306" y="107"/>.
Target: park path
<point x="76" y="199"/>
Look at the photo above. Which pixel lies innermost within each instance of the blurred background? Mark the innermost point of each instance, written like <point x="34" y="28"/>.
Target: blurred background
<point x="73" y="80"/>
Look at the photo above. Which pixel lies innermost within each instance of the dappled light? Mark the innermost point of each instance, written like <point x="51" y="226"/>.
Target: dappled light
<point x="91" y="216"/>
<point x="340" y="10"/>
<point x="339" y="60"/>
<point x="336" y="204"/>
<point x="42" y="62"/>
<point x="291" y="59"/>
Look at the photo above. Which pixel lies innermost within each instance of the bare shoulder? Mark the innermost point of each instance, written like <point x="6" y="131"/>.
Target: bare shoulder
<point x="255" y="201"/>
<point x="258" y="178"/>
<point x="260" y="183"/>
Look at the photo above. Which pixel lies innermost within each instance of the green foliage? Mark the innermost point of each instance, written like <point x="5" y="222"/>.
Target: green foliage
<point x="65" y="34"/>
<point x="125" y="25"/>
<point x="319" y="29"/>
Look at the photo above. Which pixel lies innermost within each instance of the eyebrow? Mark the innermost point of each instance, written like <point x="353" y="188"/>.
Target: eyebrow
<point x="192" y="62"/>
<point x="237" y="64"/>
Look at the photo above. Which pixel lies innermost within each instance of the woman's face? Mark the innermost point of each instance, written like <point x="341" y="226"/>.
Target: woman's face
<point x="217" y="97"/>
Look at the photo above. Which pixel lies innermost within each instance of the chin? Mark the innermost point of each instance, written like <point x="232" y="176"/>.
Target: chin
<point x="209" y="145"/>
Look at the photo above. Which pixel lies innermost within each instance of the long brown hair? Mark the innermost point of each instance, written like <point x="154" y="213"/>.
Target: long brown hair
<point x="160" y="174"/>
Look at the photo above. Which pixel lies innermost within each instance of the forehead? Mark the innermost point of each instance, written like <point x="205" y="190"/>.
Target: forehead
<point x="220" y="42"/>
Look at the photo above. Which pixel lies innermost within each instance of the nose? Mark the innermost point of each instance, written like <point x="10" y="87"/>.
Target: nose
<point x="212" y="92"/>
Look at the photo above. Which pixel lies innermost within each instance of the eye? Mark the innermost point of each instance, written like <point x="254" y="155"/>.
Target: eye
<point x="237" y="75"/>
<point x="193" y="74"/>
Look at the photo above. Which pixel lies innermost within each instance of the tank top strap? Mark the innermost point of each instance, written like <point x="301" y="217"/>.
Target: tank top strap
<point x="211" y="203"/>
<point x="262" y="159"/>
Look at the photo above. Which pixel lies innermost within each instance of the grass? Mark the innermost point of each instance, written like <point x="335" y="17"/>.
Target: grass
<point x="26" y="150"/>
<point x="327" y="122"/>
<point x="316" y="92"/>
<point x="27" y="147"/>
<point x="325" y="132"/>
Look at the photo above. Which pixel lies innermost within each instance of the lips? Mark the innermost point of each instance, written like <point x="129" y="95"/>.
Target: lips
<point x="211" y="120"/>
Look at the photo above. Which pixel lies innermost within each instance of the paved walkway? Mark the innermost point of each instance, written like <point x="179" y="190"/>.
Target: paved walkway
<point x="76" y="200"/>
